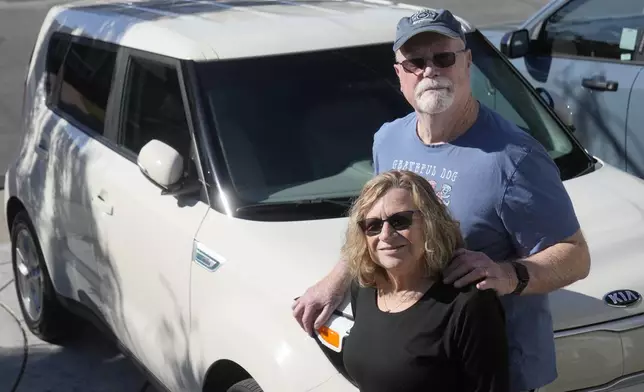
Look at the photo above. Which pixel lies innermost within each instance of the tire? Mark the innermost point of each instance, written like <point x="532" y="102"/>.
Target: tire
<point x="248" y="385"/>
<point x="43" y="314"/>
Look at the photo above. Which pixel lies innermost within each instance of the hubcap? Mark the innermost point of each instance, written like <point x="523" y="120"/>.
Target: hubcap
<point x="30" y="278"/>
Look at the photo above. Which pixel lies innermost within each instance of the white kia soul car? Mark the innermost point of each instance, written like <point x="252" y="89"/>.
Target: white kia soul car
<point x="186" y="171"/>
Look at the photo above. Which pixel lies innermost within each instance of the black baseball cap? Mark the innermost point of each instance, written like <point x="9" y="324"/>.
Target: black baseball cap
<point x="438" y="21"/>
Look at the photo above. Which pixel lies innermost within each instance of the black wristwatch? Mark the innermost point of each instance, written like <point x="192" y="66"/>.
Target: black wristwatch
<point x="523" y="277"/>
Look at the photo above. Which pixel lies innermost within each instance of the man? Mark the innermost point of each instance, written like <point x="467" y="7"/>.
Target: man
<point x="498" y="181"/>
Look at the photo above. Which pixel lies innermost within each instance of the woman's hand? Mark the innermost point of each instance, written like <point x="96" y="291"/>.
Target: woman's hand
<point x="468" y="267"/>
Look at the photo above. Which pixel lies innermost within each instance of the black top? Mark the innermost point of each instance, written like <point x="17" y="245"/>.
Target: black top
<point x="450" y="340"/>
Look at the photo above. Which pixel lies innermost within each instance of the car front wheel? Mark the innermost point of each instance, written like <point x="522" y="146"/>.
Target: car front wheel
<point x="248" y="385"/>
<point x="42" y="312"/>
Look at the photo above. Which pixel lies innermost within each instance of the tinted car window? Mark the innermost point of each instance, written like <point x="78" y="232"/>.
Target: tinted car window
<point x="153" y="107"/>
<point x="303" y="127"/>
<point x="596" y="29"/>
<point x="86" y="84"/>
<point x="303" y="118"/>
<point x="58" y="46"/>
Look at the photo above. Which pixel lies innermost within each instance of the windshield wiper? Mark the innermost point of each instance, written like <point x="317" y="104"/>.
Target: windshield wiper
<point x="342" y="202"/>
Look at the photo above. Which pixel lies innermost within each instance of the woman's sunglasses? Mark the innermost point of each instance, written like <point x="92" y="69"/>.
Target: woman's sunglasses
<point x="441" y="60"/>
<point x="399" y="221"/>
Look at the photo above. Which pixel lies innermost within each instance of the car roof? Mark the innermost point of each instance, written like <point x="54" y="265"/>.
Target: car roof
<point x="203" y="30"/>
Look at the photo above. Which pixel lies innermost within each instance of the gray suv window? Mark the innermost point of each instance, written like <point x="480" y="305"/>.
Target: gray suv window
<point x="596" y="29"/>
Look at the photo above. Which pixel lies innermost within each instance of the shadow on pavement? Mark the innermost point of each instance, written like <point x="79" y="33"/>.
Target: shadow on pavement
<point x="89" y="363"/>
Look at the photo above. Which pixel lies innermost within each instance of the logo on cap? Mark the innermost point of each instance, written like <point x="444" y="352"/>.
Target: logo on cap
<point x="422" y="16"/>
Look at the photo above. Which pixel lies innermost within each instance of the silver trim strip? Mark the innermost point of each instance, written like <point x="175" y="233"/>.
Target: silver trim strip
<point x="622" y="325"/>
<point x="620" y="383"/>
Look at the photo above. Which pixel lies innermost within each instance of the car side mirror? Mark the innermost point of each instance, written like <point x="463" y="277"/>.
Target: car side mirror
<point x="515" y="43"/>
<point x="161" y="164"/>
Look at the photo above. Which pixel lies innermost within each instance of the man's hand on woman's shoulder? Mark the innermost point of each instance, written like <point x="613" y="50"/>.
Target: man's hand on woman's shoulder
<point x="468" y="267"/>
<point x="316" y="305"/>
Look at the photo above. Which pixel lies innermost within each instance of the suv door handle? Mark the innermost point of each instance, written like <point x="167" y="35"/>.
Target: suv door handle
<point x="43" y="145"/>
<point x="599" y="85"/>
<point x="103" y="203"/>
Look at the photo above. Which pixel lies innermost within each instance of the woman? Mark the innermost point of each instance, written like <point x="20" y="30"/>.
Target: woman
<point x="412" y="332"/>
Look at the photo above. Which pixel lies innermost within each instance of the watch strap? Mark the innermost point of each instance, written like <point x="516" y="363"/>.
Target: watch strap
<point x="523" y="277"/>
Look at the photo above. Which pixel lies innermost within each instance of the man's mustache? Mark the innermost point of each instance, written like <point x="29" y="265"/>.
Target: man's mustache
<point x="427" y="84"/>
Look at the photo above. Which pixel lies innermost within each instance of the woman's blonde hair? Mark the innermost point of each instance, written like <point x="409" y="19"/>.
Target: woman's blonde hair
<point x="442" y="233"/>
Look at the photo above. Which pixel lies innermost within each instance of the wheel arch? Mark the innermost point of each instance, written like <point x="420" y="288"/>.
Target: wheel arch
<point x="223" y="374"/>
<point x="14" y="206"/>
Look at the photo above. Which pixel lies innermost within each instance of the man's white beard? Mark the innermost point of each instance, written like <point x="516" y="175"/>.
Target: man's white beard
<point x="434" y="101"/>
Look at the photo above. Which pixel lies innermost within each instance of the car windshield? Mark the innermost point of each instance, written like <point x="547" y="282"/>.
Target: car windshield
<point x="297" y="129"/>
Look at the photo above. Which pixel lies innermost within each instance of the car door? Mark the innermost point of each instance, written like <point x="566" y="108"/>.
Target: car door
<point x="80" y="78"/>
<point x="586" y="56"/>
<point x="150" y="233"/>
<point x="635" y="134"/>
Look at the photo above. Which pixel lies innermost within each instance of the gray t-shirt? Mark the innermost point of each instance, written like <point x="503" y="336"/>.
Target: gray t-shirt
<point x="505" y="190"/>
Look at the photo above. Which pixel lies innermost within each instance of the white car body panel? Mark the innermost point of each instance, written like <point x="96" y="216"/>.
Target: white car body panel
<point x="146" y="281"/>
<point x="285" y="26"/>
<point x="610" y="209"/>
<point x="281" y="260"/>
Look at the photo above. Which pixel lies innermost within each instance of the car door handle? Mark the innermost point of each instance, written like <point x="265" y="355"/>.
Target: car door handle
<point x="103" y="203"/>
<point x="599" y="85"/>
<point x="43" y="145"/>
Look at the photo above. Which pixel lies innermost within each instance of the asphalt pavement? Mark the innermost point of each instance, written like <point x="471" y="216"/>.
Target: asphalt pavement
<point x="93" y="364"/>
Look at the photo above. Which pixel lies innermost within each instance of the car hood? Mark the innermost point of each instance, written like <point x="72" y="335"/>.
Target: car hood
<point x="609" y="205"/>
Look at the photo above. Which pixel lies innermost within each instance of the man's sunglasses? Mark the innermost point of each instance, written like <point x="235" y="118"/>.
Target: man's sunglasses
<point x="441" y="60"/>
<point x="399" y="221"/>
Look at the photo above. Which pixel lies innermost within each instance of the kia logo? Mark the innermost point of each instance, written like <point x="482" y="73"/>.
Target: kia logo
<point x="622" y="298"/>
